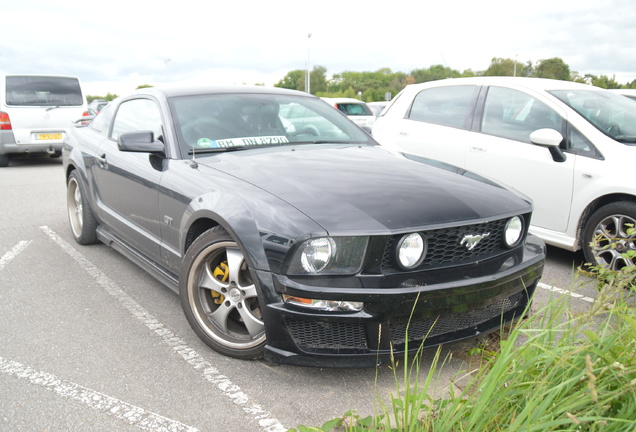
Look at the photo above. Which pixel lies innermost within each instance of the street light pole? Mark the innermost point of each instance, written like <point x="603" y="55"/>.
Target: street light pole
<point x="308" y="83"/>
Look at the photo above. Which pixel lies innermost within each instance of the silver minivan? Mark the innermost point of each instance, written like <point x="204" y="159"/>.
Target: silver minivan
<point x="36" y="111"/>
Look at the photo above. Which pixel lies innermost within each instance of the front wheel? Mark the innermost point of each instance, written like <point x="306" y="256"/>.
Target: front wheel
<point x="607" y="236"/>
<point x="219" y="297"/>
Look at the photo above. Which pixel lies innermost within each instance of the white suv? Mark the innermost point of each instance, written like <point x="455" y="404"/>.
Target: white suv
<point x="570" y="147"/>
<point x="35" y="111"/>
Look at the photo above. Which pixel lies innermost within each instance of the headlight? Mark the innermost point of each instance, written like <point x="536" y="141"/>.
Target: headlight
<point x="411" y="250"/>
<point x="514" y="231"/>
<point x="328" y="256"/>
<point x="317" y="253"/>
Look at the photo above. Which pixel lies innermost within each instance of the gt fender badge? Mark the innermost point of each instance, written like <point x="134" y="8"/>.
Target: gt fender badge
<point x="471" y="241"/>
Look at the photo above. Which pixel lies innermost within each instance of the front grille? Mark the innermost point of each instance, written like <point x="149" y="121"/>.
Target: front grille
<point x="445" y="246"/>
<point x="316" y="335"/>
<point x="418" y="330"/>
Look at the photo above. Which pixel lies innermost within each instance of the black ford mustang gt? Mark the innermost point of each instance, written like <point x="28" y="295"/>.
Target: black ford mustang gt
<point x="289" y="233"/>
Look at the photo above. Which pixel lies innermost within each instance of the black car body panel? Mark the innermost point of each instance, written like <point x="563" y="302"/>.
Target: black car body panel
<point x="152" y="205"/>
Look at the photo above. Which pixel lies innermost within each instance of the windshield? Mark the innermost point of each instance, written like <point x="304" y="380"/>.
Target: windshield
<point x="43" y="91"/>
<point x="612" y="114"/>
<point x="221" y="122"/>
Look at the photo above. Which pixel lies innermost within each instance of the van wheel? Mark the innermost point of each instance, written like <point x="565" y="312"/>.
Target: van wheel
<point x="606" y="238"/>
<point x="4" y="161"/>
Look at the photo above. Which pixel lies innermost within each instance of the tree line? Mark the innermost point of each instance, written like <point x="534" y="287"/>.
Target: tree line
<point x="375" y="86"/>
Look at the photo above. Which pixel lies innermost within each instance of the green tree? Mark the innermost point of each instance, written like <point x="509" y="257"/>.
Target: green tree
<point x="292" y="80"/>
<point x="434" y="73"/>
<point x="507" y="67"/>
<point x="554" y="68"/>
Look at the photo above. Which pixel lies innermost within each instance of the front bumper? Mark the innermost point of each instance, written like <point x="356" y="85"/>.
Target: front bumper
<point x="400" y="312"/>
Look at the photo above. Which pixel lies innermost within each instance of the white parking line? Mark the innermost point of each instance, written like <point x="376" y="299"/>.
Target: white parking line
<point x="565" y="292"/>
<point x="178" y="345"/>
<point x="134" y="415"/>
<point x="7" y="257"/>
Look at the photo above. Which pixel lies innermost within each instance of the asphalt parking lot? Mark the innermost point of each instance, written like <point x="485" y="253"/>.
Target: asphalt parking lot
<point x="88" y="341"/>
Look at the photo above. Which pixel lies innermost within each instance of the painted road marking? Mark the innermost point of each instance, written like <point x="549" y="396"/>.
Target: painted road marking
<point x="7" y="257"/>
<point x="178" y="345"/>
<point x="131" y="414"/>
<point x="565" y="292"/>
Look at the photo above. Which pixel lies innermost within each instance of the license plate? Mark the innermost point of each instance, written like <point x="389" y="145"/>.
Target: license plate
<point x="50" y="136"/>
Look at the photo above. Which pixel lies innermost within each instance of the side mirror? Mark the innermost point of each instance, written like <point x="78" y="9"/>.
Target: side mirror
<point x="551" y="139"/>
<point x="143" y="142"/>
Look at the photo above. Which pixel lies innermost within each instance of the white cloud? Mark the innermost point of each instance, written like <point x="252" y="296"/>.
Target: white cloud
<point x="117" y="45"/>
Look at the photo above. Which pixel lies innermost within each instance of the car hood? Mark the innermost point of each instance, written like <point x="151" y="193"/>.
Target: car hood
<point x="348" y="189"/>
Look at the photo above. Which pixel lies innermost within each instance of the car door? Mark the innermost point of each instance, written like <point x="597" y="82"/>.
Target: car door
<point x="437" y="124"/>
<point x="502" y="151"/>
<point x="127" y="183"/>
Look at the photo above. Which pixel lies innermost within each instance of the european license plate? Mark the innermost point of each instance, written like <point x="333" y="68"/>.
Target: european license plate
<point x="50" y="136"/>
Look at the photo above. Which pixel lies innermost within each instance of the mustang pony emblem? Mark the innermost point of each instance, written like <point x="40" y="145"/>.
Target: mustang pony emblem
<point x="470" y="241"/>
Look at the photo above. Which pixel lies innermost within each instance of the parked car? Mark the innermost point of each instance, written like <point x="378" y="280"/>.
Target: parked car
<point x="377" y="107"/>
<point x="311" y="249"/>
<point x="568" y="146"/>
<point x="355" y="109"/>
<point x="96" y="105"/>
<point x="630" y="93"/>
<point x="35" y="111"/>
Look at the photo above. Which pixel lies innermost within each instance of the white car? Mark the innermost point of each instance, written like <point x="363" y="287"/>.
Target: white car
<point x="355" y="109"/>
<point x="35" y="113"/>
<point x="570" y="147"/>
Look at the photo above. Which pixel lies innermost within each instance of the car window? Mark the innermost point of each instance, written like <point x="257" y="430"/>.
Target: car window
<point x="102" y="120"/>
<point x="43" y="91"/>
<point x="515" y="115"/>
<point x="222" y="121"/>
<point x="448" y="106"/>
<point x="612" y="114"/>
<point x="354" y="109"/>
<point x="137" y="115"/>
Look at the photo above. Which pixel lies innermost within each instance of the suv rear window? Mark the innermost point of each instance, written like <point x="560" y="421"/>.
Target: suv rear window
<point x="354" y="109"/>
<point x="43" y="91"/>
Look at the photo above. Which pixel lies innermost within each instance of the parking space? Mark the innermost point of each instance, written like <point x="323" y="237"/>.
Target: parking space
<point x="91" y="342"/>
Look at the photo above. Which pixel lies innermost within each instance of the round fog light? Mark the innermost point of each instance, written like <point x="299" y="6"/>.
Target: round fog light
<point x="513" y="232"/>
<point x="411" y="250"/>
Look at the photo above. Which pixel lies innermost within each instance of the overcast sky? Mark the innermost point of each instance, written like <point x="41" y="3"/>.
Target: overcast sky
<point x="116" y="45"/>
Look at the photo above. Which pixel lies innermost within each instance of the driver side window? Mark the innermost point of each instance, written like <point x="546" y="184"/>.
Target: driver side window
<point x="515" y="115"/>
<point x="137" y="115"/>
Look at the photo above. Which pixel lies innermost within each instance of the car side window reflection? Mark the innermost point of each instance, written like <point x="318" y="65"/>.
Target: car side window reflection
<point x="447" y="106"/>
<point x="137" y="115"/>
<point x="515" y="115"/>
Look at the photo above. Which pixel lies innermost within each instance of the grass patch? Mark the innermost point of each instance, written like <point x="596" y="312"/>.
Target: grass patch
<point x="551" y="372"/>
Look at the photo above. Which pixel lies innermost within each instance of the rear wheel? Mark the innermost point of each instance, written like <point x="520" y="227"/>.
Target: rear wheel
<point x="219" y="297"/>
<point x="606" y="237"/>
<point x="4" y="160"/>
<point x="80" y="215"/>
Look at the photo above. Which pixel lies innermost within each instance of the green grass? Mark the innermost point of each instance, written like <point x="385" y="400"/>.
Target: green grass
<point x="551" y="372"/>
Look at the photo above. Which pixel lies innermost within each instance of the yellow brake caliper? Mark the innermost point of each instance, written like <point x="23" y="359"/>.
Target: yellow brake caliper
<point x="222" y="274"/>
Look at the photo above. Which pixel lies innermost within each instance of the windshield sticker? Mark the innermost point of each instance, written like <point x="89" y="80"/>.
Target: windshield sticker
<point x="246" y="142"/>
<point x="205" y="142"/>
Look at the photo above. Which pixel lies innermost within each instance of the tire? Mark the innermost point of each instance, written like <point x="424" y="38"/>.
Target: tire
<point x="4" y="160"/>
<point x="219" y="297"/>
<point x="608" y="226"/>
<point x="80" y="215"/>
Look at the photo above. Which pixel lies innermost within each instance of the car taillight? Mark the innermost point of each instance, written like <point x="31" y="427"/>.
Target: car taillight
<point x="5" y="123"/>
<point x="86" y="114"/>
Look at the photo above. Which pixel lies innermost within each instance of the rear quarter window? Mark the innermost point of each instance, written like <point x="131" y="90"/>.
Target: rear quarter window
<point x="448" y="106"/>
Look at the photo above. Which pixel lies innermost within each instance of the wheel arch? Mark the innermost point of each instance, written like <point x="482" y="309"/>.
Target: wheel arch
<point x="593" y="207"/>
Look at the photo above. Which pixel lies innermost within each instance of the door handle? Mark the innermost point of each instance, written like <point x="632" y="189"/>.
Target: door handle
<point x="101" y="160"/>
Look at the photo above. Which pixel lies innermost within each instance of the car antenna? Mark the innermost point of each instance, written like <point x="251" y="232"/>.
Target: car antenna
<point x="193" y="163"/>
